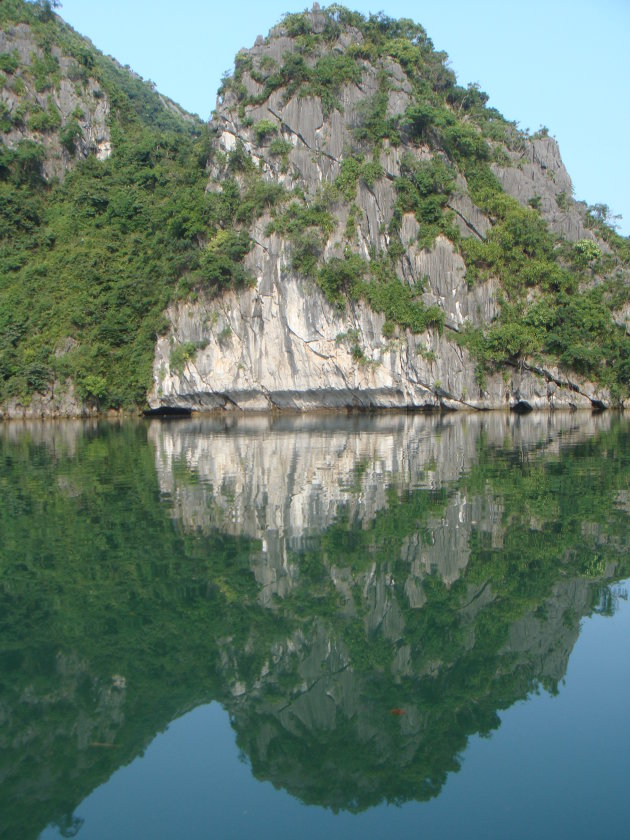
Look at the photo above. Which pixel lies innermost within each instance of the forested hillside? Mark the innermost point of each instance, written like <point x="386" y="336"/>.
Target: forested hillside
<point x="93" y="236"/>
<point x="426" y="234"/>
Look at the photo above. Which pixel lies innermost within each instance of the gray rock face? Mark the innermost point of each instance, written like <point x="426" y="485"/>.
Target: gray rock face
<point x="86" y="103"/>
<point x="281" y="344"/>
<point x="59" y="401"/>
<point x="286" y="481"/>
<point x="536" y="171"/>
<point x="469" y="219"/>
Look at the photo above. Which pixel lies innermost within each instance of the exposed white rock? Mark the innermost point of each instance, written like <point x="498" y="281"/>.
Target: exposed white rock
<point x="281" y="344"/>
<point x="284" y="481"/>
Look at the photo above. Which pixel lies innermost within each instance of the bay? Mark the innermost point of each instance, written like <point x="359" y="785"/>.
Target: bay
<point x="338" y="625"/>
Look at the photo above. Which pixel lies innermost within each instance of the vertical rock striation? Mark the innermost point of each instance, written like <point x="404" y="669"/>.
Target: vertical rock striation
<point x="282" y="342"/>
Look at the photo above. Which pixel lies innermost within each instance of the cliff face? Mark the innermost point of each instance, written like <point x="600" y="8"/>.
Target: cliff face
<point x="52" y="99"/>
<point x="352" y="230"/>
<point x="282" y="345"/>
<point x="284" y="342"/>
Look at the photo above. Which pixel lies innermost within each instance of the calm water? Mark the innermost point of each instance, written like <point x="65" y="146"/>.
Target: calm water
<point x="397" y="625"/>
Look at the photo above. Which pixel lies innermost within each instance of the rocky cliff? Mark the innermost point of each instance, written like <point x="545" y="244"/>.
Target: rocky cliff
<point x="352" y="230"/>
<point x="70" y="118"/>
<point x="324" y="110"/>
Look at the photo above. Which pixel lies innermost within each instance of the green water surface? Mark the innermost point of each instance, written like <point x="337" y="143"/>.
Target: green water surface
<point x="266" y="627"/>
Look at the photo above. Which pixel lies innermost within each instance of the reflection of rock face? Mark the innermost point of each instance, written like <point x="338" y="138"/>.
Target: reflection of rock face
<point x="109" y="695"/>
<point x="58" y="437"/>
<point x="71" y="712"/>
<point x="546" y="639"/>
<point x="292" y="482"/>
<point x="285" y="482"/>
<point x="304" y="595"/>
<point x="336" y="705"/>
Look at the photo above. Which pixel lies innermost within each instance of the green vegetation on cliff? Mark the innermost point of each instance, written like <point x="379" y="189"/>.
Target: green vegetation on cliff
<point x="88" y="264"/>
<point x="556" y="298"/>
<point x="551" y="307"/>
<point x="96" y="240"/>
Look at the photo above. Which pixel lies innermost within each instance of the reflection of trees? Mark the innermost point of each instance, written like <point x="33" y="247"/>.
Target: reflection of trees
<point x="114" y="619"/>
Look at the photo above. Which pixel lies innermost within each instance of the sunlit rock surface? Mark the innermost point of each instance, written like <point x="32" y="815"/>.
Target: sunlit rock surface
<point x="281" y="344"/>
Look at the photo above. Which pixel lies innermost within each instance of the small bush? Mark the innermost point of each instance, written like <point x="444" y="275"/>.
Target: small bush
<point x="263" y="130"/>
<point x="6" y="123"/>
<point x="180" y="355"/>
<point x="585" y="251"/>
<point x="327" y="77"/>
<point x="45" y="70"/>
<point x="282" y="149"/>
<point x="9" y="62"/>
<point x="239" y="160"/>
<point x="45" y="121"/>
<point x="297" y="24"/>
<point x="374" y="124"/>
<point x="220" y="265"/>
<point x="93" y="386"/>
<point x="535" y="203"/>
<point x="353" y="170"/>
<point x="259" y="197"/>
<point x="69" y="135"/>
<point x="26" y="163"/>
<point x="337" y="277"/>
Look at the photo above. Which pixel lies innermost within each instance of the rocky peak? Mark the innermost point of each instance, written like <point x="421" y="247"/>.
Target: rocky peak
<point x="375" y="192"/>
<point x="50" y="98"/>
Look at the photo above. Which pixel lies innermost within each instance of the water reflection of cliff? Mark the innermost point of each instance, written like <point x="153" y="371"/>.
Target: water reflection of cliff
<point x="287" y="480"/>
<point x="333" y="740"/>
<point x="311" y="575"/>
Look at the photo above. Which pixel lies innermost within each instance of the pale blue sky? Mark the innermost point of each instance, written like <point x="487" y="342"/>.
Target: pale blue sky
<point x="560" y="63"/>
